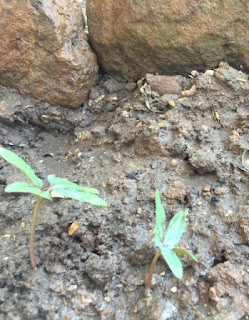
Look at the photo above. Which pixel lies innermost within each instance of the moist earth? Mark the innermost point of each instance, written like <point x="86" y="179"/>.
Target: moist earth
<point x="127" y="144"/>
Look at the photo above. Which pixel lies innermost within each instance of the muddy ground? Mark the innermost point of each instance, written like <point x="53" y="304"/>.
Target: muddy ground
<point x="190" y="152"/>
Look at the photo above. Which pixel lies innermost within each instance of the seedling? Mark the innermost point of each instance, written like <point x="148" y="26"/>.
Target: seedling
<point x="167" y="240"/>
<point x="59" y="186"/>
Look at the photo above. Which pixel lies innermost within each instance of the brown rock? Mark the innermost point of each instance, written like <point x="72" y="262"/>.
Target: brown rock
<point x="165" y="84"/>
<point x="44" y="51"/>
<point x="133" y="38"/>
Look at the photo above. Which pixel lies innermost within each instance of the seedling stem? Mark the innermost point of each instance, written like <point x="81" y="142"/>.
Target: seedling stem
<point x="151" y="272"/>
<point x="32" y="232"/>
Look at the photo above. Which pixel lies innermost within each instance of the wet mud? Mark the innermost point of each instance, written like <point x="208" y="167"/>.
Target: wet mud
<point x="191" y="152"/>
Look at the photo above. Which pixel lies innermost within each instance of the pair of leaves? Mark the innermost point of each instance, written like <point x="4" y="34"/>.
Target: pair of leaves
<point x="59" y="185"/>
<point x="167" y="240"/>
<point x="74" y="191"/>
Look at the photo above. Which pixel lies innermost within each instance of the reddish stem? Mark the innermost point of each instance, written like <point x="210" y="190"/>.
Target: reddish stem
<point x="32" y="232"/>
<point x="151" y="272"/>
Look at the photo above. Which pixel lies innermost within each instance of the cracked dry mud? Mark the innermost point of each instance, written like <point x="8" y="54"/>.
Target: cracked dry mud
<point x="191" y="153"/>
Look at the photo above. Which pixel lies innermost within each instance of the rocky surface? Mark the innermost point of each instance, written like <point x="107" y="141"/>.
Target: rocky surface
<point x="44" y="51"/>
<point x="169" y="37"/>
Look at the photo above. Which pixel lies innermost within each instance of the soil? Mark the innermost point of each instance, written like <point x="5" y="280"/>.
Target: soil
<point x="190" y="152"/>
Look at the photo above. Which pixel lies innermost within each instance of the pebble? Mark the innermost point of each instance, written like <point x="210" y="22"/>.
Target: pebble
<point x="110" y="107"/>
<point x="206" y="191"/>
<point x="194" y="73"/>
<point x="173" y="163"/>
<point x="173" y="289"/>
<point x="116" y="158"/>
<point x="83" y="135"/>
<point x="228" y="213"/>
<point x="165" y="84"/>
<point x="209" y="72"/>
<point x="110" y="181"/>
<point x="221" y="191"/>
<point x="161" y="124"/>
<point x="139" y="210"/>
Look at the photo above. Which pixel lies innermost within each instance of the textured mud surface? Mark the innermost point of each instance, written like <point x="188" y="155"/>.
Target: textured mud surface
<point x="190" y="152"/>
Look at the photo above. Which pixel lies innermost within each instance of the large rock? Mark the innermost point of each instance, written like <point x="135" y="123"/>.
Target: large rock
<point x="44" y="50"/>
<point x="135" y="37"/>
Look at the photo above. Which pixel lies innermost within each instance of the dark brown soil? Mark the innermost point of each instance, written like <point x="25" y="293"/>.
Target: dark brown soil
<point x="191" y="153"/>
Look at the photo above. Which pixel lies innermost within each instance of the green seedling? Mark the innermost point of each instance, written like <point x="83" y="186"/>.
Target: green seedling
<point x="59" y="186"/>
<point x="167" y="241"/>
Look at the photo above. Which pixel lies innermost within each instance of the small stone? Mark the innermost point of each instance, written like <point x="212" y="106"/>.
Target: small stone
<point x="189" y="93"/>
<point x="212" y="294"/>
<point x="73" y="228"/>
<point x="107" y="299"/>
<point x="165" y="84"/>
<point x="173" y="289"/>
<point x="111" y="98"/>
<point x="194" y="73"/>
<point x="126" y="200"/>
<point x="209" y="72"/>
<point x="139" y="210"/>
<point x="206" y="191"/>
<point x="83" y="135"/>
<point x="139" y="124"/>
<point x="72" y="287"/>
<point x="173" y="163"/>
<point x="204" y="128"/>
<point x="115" y="158"/>
<point x="110" y="107"/>
<point x="221" y="191"/>
<point x="22" y="225"/>
<point x="228" y="213"/>
<point x="171" y="103"/>
<point x="110" y="181"/>
<point x="125" y="114"/>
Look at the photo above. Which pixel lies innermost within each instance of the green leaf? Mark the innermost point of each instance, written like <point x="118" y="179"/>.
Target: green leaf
<point x="184" y="252"/>
<point x="25" y="187"/>
<point x="173" y="262"/>
<point x="175" y="229"/>
<point x="60" y="183"/>
<point x="81" y="196"/>
<point x="15" y="160"/>
<point x="160" y="217"/>
<point x="160" y="221"/>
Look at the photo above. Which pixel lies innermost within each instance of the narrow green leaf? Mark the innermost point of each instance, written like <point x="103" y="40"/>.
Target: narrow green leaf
<point x="25" y="187"/>
<point x="16" y="161"/>
<point x="173" y="262"/>
<point x="184" y="252"/>
<point x="60" y="183"/>
<point x="175" y="229"/>
<point x="160" y="217"/>
<point x="81" y="196"/>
